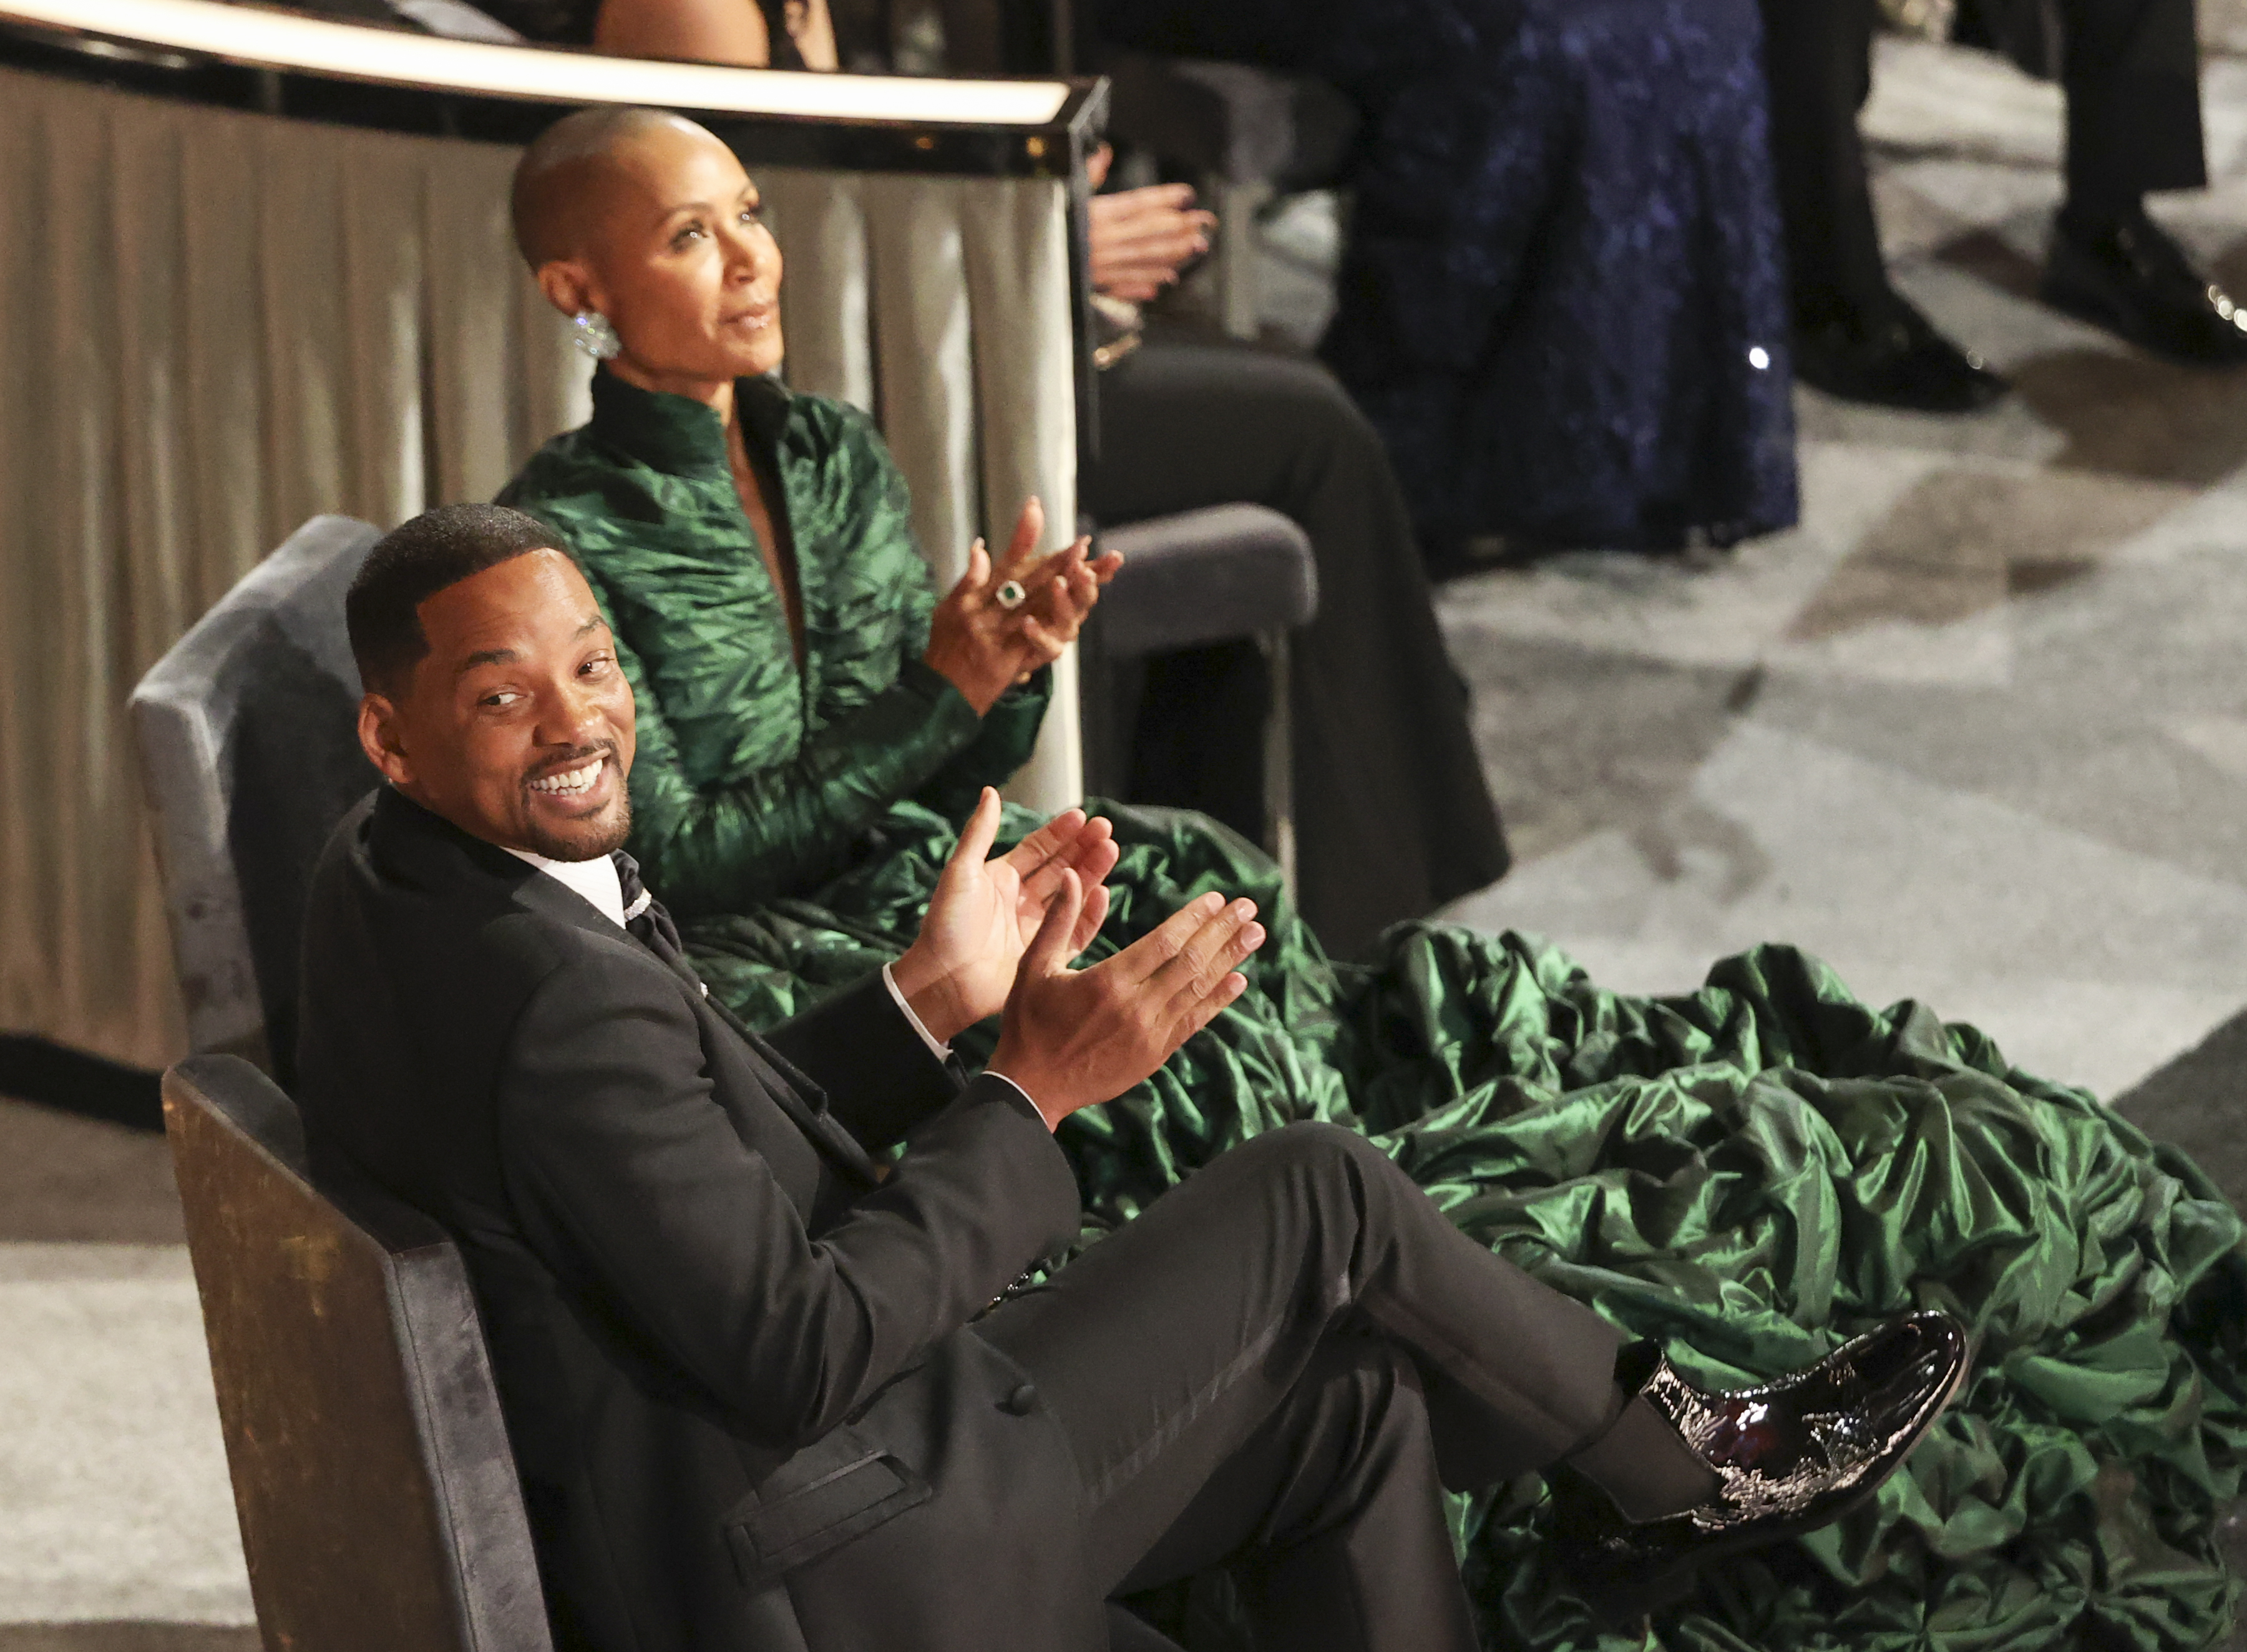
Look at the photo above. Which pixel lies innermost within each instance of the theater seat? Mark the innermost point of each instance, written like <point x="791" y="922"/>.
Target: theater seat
<point x="248" y="758"/>
<point x="378" y="1495"/>
<point x="1200" y="577"/>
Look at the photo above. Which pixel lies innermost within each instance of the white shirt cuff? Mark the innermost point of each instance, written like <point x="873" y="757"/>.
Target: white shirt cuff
<point x="942" y="1052"/>
<point x="1018" y="1090"/>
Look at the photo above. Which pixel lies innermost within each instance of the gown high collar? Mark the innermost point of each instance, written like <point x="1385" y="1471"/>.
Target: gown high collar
<point x="677" y="435"/>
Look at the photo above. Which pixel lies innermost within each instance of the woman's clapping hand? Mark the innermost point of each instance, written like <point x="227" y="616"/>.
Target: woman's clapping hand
<point x="983" y="645"/>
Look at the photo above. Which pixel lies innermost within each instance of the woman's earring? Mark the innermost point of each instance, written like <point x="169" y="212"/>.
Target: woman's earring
<point x="594" y="335"/>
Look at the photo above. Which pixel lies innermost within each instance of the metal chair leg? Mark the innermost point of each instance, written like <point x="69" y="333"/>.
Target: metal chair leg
<point x="1279" y="763"/>
<point x="1238" y="206"/>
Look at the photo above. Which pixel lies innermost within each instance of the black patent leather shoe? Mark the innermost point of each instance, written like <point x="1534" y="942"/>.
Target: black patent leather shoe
<point x="1894" y="359"/>
<point x="1789" y="1457"/>
<point x="2134" y="281"/>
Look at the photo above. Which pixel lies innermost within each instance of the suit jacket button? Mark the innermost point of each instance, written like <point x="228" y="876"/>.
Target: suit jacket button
<point x="1022" y="1401"/>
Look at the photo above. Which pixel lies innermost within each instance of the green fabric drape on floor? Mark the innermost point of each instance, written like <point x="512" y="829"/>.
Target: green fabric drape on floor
<point x="1752" y="1172"/>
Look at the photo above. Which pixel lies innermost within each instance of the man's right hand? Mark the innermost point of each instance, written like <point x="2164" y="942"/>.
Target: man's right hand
<point x="1074" y="1038"/>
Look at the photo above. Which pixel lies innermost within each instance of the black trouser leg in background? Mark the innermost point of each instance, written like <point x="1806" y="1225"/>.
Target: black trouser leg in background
<point x="2131" y="69"/>
<point x="1393" y="816"/>
<point x="1275" y="1366"/>
<point x="1817" y="62"/>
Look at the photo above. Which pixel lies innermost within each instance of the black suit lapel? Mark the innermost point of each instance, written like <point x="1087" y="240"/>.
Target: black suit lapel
<point x="804" y="1101"/>
<point x="796" y="1096"/>
<point x="435" y="854"/>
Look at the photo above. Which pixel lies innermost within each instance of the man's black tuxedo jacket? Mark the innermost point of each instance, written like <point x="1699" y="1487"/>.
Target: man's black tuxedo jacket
<point x="735" y="1365"/>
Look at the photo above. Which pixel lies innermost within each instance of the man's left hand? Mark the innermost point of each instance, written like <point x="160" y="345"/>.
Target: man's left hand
<point x="987" y="909"/>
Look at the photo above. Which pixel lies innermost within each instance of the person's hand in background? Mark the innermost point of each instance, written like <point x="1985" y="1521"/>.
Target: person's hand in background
<point x="1141" y="238"/>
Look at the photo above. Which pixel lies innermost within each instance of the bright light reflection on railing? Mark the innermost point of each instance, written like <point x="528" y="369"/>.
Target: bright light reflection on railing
<point x="318" y="45"/>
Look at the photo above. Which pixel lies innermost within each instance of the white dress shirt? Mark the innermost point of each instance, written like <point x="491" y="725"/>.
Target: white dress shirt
<point x="596" y="882"/>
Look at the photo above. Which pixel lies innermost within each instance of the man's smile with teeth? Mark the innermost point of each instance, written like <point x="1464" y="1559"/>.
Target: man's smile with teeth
<point x="570" y="782"/>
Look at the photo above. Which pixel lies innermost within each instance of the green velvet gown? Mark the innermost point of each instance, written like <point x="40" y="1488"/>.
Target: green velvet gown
<point x="1752" y="1172"/>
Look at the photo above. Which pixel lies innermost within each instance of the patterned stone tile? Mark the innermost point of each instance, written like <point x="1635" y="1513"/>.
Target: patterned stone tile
<point x="114" y="1500"/>
<point x="2087" y="963"/>
<point x="1721" y="610"/>
<point x="1964" y="542"/>
<point x="1931" y="99"/>
<point x="67" y="1178"/>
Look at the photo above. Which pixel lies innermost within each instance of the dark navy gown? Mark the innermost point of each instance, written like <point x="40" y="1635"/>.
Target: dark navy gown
<point x="1562" y="301"/>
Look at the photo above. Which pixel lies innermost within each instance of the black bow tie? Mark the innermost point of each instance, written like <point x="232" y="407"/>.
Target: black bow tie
<point x="644" y="915"/>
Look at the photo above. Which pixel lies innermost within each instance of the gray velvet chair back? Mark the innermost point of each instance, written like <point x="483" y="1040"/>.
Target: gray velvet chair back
<point x="378" y="1500"/>
<point x="248" y="758"/>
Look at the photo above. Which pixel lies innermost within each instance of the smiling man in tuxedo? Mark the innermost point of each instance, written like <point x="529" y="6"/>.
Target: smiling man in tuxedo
<point x="768" y="1380"/>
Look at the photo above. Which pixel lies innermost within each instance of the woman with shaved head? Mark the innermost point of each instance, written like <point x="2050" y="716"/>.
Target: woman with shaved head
<point x="1752" y="1172"/>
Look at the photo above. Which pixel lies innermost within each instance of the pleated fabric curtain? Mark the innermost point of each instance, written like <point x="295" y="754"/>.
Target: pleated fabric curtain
<point x="217" y="324"/>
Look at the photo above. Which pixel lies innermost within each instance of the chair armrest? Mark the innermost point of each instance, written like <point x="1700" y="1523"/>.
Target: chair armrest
<point x="1204" y="575"/>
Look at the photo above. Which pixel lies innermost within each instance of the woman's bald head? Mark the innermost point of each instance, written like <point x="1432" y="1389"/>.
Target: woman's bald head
<point x="648" y="219"/>
<point x="569" y="177"/>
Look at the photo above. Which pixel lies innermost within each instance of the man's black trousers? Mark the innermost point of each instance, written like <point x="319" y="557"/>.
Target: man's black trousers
<point x="2130" y="69"/>
<point x="1278" y="1366"/>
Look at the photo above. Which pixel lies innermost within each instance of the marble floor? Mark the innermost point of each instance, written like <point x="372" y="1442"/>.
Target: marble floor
<point x="1975" y="732"/>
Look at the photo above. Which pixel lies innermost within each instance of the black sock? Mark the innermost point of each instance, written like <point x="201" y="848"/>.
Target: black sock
<point x="1648" y="1472"/>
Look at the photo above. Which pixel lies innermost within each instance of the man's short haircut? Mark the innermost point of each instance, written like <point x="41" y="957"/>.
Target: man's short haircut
<point x="558" y="173"/>
<point x="412" y="563"/>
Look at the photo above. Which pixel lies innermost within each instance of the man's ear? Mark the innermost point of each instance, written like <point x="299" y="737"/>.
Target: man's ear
<point x="568" y="285"/>
<point x="379" y="737"/>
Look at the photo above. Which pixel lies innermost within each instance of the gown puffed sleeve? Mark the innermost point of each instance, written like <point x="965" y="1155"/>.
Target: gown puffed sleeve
<point x="780" y="828"/>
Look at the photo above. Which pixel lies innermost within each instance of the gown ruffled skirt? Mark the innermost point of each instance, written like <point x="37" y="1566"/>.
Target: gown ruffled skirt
<point x="1753" y="1173"/>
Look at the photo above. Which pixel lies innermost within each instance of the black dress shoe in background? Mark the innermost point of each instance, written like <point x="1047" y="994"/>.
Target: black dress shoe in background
<point x="2130" y="279"/>
<point x="1893" y="359"/>
<point x="1789" y="1457"/>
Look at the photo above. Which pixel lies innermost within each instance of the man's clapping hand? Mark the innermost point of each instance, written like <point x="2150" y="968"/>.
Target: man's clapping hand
<point x="987" y="910"/>
<point x="1073" y="1038"/>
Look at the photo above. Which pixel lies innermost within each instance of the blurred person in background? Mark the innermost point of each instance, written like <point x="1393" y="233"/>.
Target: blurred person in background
<point x="2131" y="71"/>
<point x="1393" y="816"/>
<point x="1560" y="299"/>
